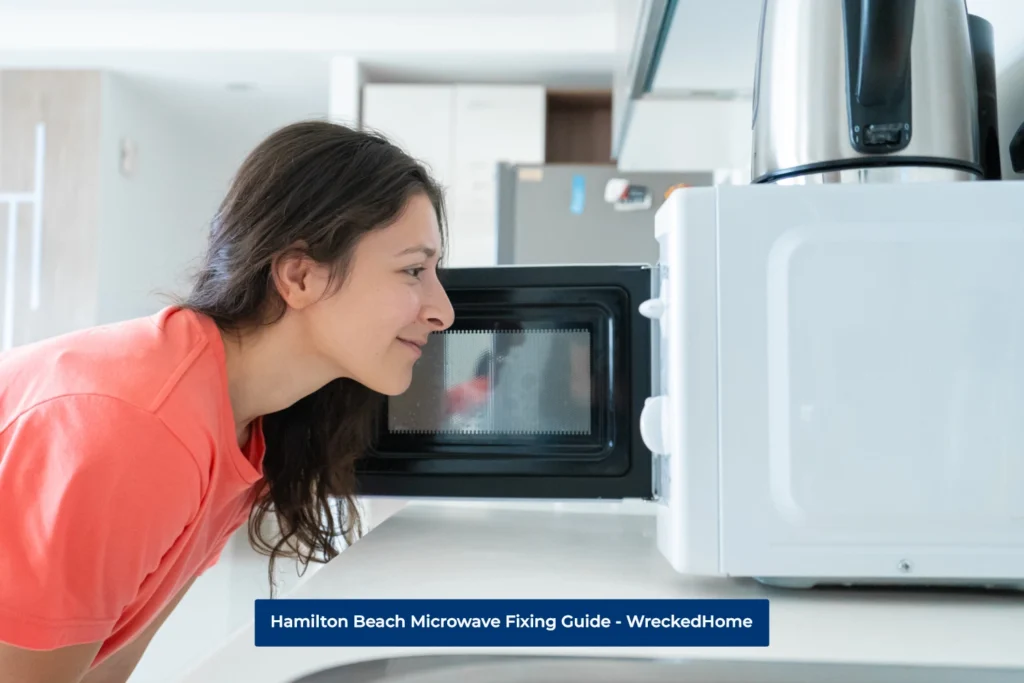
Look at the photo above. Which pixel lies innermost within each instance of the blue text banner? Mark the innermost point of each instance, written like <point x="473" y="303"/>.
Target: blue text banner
<point x="511" y="623"/>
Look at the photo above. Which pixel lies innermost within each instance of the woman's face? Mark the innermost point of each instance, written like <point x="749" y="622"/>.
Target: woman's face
<point x="372" y="328"/>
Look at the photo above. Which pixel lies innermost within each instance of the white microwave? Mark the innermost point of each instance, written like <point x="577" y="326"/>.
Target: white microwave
<point x="841" y="387"/>
<point x="814" y="384"/>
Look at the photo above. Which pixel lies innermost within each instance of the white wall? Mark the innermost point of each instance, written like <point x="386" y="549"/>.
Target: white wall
<point x="345" y="94"/>
<point x="152" y="222"/>
<point x="190" y="141"/>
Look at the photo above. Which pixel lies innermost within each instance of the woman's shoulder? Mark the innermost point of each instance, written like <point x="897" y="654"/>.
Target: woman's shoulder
<point x="93" y="436"/>
<point x="136" y="363"/>
<point x="96" y="495"/>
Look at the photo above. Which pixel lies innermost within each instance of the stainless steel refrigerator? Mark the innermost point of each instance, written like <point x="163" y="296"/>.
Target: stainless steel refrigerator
<point x="558" y="213"/>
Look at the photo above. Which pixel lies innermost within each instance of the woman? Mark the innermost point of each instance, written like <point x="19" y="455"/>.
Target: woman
<point x="129" y="453"/>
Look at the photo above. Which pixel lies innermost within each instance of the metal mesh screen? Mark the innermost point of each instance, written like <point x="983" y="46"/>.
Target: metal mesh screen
<point x="530" y="382"/>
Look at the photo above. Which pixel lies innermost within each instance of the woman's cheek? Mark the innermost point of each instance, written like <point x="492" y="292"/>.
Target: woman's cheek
<point x="411" y="306"/>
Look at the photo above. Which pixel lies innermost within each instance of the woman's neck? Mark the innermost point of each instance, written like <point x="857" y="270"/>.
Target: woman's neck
<point x="268" y="370"/>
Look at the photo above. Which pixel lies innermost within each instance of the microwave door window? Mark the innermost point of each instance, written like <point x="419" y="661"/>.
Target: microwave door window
<point x="535" y="391"/>
<point x="516" y="383"/>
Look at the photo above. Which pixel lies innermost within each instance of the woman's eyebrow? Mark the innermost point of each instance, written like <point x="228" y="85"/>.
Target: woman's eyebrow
<point x="422" y="248"/>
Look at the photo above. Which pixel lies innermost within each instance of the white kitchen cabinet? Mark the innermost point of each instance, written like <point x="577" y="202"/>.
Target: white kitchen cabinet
<point x="462" y="132"/>
<point x="492" y="124"/>
<point x="418" y="118"/>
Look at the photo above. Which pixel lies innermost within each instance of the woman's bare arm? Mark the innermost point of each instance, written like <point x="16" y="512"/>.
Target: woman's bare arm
<point x="119" y="667"/>
<point x="63" y="665"/>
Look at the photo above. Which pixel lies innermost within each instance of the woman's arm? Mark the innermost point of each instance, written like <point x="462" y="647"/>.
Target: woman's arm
<point x="64" y="665"/>
<point x="119" y="668"/>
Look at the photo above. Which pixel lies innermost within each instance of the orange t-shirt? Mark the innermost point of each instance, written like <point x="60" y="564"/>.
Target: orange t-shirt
<point x="121" y="477"/>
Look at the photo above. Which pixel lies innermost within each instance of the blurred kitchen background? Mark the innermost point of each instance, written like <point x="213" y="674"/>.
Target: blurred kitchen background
<point x="122" y="121"/>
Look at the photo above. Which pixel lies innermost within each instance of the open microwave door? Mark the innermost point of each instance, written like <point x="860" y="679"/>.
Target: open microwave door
<point x="535" y="391"/>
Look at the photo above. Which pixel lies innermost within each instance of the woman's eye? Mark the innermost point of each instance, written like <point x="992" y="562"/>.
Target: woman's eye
<point x="415" y="272"/>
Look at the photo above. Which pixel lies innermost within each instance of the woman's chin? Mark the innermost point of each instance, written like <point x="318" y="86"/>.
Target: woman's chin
<point x="395" y="385"/>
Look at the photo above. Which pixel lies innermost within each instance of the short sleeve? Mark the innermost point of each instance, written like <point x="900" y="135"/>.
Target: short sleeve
<point x="213" y="558"/>
<point x="94" y="492"/>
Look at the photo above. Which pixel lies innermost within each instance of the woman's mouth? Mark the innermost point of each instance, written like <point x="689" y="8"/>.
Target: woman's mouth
<point x="413" y="346"/>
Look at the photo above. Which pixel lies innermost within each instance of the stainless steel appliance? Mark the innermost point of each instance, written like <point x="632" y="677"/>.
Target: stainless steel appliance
<point x="865" y="91"/>
<point x="558" y="214"/>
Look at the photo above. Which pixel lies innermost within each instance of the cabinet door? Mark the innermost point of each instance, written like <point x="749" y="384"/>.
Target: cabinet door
<point x="492" y="124"/>
<point x="419" y="118"/>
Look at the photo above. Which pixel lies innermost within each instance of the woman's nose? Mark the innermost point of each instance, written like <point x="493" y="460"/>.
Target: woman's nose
<point x="439" y="311"/>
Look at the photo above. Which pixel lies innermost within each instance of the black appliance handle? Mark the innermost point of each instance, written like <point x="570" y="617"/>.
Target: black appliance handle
<point x="1017" y="150"/>
<point x="886" y="30"/>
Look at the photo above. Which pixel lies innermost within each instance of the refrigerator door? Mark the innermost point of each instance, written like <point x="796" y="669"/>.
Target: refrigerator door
<point x="557" y="214"/>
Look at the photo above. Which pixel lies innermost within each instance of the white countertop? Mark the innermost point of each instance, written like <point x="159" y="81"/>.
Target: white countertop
<point x="426" y="551"/>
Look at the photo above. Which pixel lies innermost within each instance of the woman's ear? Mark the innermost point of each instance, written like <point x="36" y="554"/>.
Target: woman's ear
<point x="300" y="280"/>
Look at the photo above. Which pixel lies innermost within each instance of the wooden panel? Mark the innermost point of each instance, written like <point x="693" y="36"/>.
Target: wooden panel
<point x="579" y="128"/>
<point x="68" y="102"/>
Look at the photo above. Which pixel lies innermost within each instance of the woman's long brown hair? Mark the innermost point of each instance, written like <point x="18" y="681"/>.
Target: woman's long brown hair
<point x="321" y="186"/>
